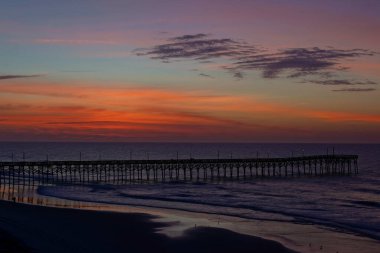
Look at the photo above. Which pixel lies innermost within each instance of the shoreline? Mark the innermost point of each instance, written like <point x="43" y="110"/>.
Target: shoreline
<point x="174" y="224"/>
<point x="299" y="237"/>
<point x="49" y="229"/>
<point x="291" y="219"/>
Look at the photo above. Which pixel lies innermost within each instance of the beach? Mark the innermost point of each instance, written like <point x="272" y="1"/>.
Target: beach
<point x="47" y="229"/>
<point x="88" y="227"/>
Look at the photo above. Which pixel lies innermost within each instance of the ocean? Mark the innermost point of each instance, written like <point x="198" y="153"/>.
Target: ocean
<point x="348" y="203"/>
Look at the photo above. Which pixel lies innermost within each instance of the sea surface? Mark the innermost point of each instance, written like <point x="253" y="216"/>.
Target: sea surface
<point x="346" y="203"/>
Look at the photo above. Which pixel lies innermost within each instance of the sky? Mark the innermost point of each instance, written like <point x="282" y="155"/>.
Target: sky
<point x="190" y="71"/>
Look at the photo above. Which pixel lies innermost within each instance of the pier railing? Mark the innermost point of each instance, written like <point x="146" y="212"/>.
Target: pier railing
<point x="124" y="171"/>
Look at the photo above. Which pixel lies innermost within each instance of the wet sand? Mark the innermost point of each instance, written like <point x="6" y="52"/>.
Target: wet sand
<point x="48" y="229"/>
<point x="9" y="244"/>
<point x="177" y="224"/>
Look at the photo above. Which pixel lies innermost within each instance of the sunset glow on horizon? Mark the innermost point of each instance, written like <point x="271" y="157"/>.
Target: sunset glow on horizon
<point x="221" y="71"/>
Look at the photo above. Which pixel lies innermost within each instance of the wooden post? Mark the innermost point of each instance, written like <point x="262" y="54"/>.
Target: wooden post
<point x="286" y="168"/>
<point x="298" y="168"/>
<point x="292" y="164"/>
<point x="304" y="167"/>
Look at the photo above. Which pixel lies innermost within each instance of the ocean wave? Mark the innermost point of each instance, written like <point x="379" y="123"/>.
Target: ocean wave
<point x="210" y="199"/>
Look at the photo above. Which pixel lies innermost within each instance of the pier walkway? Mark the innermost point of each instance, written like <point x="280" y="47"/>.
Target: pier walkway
<point x="124" y="171"/>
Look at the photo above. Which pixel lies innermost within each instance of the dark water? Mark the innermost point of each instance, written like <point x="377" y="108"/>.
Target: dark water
<point x="351" y="203"/>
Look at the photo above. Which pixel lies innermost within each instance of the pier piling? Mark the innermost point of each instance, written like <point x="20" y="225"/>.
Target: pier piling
<point x="123" y="171"/>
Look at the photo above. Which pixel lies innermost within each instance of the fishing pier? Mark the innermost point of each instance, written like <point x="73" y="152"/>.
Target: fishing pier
<point x="139" y="171"/>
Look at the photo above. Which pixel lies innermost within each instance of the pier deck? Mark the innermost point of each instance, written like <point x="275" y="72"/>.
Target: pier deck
<point x="124" y="171"/>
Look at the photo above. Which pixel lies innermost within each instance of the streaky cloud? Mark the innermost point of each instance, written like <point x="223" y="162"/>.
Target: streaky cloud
<point x="5" y="77"/>
<point x="205" y="75"/>
<point x="355" y="90"/>
<point x="342" y="82"/>
<point x="198" y="47"/>
<point x="298" y="62"/>
<point x="238" y="75"/>
<point x="320" y="63"/>
<point x="189" y="37"/>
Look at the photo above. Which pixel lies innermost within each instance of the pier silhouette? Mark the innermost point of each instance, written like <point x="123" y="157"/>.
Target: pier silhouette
<point x="125" y="171"/>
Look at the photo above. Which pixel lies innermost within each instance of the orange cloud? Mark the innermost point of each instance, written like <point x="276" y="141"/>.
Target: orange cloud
<point x="83" y="111"/>
<point x="343" y="116"/>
